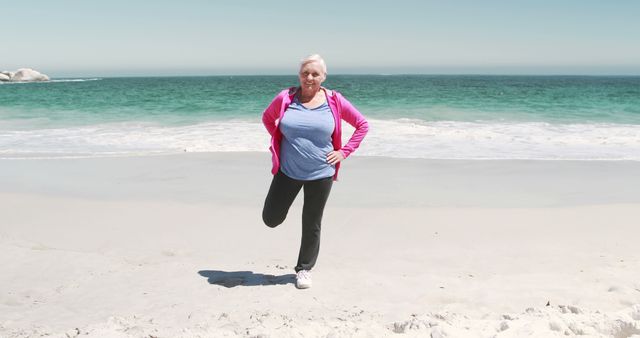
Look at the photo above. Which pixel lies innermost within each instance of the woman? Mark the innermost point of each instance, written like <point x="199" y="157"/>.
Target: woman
<point x="305" y="124"/>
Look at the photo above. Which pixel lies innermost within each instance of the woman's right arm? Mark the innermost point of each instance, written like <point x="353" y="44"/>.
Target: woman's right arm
<point x="271" y="114"/>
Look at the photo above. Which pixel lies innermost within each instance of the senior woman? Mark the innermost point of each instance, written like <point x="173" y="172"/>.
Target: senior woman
<point x="305" y="124"/>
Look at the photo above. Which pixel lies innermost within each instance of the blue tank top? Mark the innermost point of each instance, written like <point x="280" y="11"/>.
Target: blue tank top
<point x="306" y="141"/>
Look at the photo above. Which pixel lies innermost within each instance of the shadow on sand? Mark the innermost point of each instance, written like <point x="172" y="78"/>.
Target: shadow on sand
<point x="231" y="279"/>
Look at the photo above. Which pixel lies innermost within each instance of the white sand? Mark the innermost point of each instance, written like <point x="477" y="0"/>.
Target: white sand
<point x="174" y="246"/>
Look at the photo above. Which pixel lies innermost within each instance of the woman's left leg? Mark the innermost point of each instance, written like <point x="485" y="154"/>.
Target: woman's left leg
<point x="316" y="194"/>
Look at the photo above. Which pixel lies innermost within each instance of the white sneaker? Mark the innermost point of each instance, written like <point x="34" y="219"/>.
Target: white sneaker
<point x="303" y="279"/>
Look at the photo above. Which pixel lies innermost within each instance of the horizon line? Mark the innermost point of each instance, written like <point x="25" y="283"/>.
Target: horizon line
<point x="354" y="74"/>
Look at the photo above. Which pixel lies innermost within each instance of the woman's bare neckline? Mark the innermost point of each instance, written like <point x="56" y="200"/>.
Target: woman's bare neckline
<point x="316" y="102"/>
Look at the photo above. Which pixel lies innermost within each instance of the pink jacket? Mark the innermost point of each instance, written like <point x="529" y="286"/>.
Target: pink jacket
<point x="341" y="109"/>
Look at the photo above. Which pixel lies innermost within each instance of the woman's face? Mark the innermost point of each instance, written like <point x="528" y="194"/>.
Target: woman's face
<point x="311" y="76"/>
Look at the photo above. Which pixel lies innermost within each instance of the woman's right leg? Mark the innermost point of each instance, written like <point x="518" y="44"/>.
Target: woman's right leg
<point x="281" y="194"/>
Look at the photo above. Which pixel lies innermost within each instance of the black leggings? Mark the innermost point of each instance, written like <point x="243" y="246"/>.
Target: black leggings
<point x="281" y="194"/>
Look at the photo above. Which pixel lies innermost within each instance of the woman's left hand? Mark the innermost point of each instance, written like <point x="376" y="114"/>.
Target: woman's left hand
<point x="335" y="157"/>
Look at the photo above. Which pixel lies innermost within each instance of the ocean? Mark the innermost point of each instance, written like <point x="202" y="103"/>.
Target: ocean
<point x="410" y="116"/>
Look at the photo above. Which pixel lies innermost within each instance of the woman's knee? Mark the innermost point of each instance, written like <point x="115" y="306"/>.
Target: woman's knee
<point x="270" y="220"/>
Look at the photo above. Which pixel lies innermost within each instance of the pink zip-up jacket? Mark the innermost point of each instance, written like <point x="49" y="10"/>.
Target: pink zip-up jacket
<point x="341" y="109"/>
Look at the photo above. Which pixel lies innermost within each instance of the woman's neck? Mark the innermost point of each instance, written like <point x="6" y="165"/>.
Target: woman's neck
<point x="308" y="95"/>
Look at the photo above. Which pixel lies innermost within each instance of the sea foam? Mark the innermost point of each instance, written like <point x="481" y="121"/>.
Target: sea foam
<point x="403" y="138"/>
<point x="75" y="80"/>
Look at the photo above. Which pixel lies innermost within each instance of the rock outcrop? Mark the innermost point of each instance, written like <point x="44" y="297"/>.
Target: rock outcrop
<point x="23" y="75"/>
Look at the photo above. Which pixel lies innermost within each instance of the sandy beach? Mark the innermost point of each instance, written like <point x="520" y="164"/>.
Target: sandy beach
<point x="174" y="246"/>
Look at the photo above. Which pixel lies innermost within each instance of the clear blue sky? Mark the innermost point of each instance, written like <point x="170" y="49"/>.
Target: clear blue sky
<point x="135" y="37"/>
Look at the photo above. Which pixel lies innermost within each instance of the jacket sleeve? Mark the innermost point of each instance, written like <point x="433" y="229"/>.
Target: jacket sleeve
<point x="350" y="114"/>
<point x="271" y="114"/>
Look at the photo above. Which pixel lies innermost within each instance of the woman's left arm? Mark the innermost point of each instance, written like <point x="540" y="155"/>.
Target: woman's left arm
<point x="353" y="117"/>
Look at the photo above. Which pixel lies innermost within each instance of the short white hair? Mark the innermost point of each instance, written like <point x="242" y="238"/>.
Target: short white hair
<point x="314" y="58"/>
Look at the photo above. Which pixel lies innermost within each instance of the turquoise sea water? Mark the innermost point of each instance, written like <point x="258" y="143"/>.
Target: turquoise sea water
<point x="536" y="117"/>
